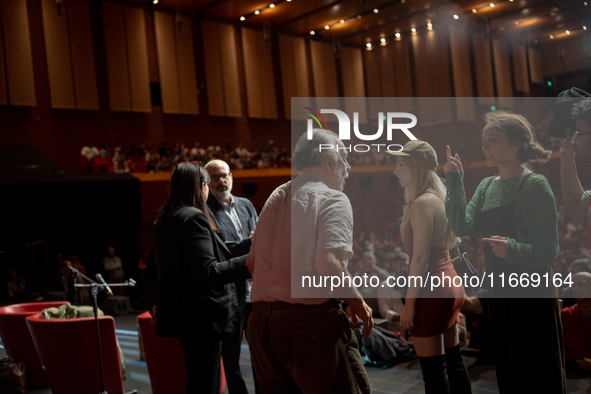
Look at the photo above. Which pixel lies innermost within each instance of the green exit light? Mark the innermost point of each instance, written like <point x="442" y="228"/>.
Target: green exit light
<point x="384" y="117"/>
<point x="493" y="108"/>
<point x="549" y="83"/>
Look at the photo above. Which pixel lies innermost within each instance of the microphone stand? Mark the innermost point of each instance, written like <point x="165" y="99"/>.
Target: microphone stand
<point x="75" y="274"/>
<point x="94" y="289"/>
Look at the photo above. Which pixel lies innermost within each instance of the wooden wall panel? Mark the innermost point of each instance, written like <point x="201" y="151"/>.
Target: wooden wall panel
<point x="213" y="68"/>
<point x="258" y="70"/>
<point x="401" y="58"/>
<point x="57" y="50"/>
<point x="294" y="72"/>
<point x="232" y="88"/>
<point x="324" y="75"/>
<point x="503" y="72"/>
<point x="137" y="58"/>
<point x="116" y="55"/>
<point x="82" y="52"/>
<point x="388" y="73"/>
<point x="462" y="74"/>
<point x="167" y="62"/>
<point x="483" y="68"/>
<point x="352" y="66"/>
<point x="429" y="49"/>
<point x="185" y="51"/>
<point x="520" y="68"/>
<point x="536" y="72"/>
<point x="353" y="84"/>
<point x="3" y="86"/>
<point x="17" y="50"/>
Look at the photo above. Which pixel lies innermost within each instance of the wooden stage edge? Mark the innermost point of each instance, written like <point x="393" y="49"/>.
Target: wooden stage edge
<point x="283" y="172"/>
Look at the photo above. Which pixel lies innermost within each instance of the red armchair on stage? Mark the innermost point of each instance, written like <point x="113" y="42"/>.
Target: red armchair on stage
<point x="17" y="340"/>
<point x="68" y="352"/>
<point x="165" y="360"/>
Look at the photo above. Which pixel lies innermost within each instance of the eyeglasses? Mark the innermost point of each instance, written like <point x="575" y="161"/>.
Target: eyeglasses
<point x="576" y="136"/>
<point x="217" y="177"/>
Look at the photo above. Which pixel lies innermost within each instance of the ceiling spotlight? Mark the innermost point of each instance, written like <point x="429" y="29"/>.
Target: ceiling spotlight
<point x="368" y="45"/>
<point x="327" y="27"/>
<point x="584" y="27"/>
<point x="312" y="32"/>
<point x="516" y="23"/>
<point x="414" y="31"/>
<point x="154" y="1"/>
<point x="429" y="26"/>
<point x="474" y="10"/>
<point x="551" y="37"/>
<point x="358" y="16"/>
<point x="552" y="13"/>
<point x="271" y="5"/>
<point x="383" y="42"/>
<point x="257" y="12"/>
<point x="567" y="32"/>
<point x="375" y="10"/>
<point x="492" y="5"/>
<point x="456" y="17"/>
<point x="289" y="1"/>
<point x="397" y="35"/>
<point x="242" y="19"/>
<point x="382" y="39"/>
<point x="342" y="21"/>
<point x="403" y="1"/>
<point x="585" y="3"/>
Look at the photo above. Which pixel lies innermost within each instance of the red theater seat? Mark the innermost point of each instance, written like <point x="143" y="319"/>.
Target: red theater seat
<point x="17" y="340"/>
<point x="68" y="352"/>
<point x="164" y="356"/>
<point x="101" y="164"/>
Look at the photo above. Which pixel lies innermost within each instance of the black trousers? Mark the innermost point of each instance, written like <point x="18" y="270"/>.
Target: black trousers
<point x="231" y="356"/>
<point x="202" y="360"/>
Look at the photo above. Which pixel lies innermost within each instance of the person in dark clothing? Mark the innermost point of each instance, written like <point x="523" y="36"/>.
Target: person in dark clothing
<point x="191" y="279"/>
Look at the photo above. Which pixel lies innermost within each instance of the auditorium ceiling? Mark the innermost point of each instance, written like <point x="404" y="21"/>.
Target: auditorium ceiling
<point x="358" y="22"/>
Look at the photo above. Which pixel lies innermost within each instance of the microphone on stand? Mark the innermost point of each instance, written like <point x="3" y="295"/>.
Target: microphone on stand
<point x="99" y="277"/>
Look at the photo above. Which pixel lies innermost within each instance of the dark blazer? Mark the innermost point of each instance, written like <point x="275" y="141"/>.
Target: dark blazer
<point x="248" y="218"/>
<point x="192" y="274"/>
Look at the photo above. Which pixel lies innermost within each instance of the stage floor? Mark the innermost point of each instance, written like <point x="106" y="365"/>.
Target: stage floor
<point x="403" y="378"/>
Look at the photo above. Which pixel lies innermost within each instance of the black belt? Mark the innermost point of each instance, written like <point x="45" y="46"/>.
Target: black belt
<point x="276" y="306"/>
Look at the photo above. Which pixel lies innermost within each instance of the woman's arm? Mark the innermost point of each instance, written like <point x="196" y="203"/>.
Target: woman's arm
<point x="463" y="219"/>
<point x="198" y="249"/>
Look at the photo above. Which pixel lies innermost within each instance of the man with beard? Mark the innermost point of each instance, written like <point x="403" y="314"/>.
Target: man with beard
<point x="577" y="145"/>
<point x="236" y="217"/>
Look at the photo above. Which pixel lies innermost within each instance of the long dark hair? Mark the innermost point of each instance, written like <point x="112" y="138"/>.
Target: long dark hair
<point x="184" y="189"/>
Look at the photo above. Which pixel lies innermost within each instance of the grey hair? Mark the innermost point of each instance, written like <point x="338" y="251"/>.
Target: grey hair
<point x="307" y="152"/>
<point x="519" y="130"/>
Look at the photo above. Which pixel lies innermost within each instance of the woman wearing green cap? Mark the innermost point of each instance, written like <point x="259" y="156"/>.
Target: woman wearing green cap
<point x="516" y="213"/>
<point x="430" y="316"/>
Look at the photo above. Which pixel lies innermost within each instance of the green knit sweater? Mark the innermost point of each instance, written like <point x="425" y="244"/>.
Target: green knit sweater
<point x="535" y="215"/>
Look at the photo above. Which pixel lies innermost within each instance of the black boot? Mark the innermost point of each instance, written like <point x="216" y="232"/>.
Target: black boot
<point x="457" y="374"/>
<point x="434" y="375"/>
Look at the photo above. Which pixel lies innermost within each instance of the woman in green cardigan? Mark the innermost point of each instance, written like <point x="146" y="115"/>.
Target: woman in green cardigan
<point x="516" y="214"/>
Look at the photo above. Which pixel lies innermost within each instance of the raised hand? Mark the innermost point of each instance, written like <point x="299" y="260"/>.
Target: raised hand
<point x="453" y="164"/>
<point x="567" y="145"/>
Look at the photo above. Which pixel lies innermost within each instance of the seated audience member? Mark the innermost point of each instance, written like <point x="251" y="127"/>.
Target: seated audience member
<point x="120" y="162"/>
<point x="15" y="285"/>
<point x="369" y="269"/>
<point x="114" y="267"/>
<point x="576" y="323"/>
<point x="570" y="251"/>
<point x="391" y="298"/>
<point x="579" y="265"/>
<point x="476" y="311"/>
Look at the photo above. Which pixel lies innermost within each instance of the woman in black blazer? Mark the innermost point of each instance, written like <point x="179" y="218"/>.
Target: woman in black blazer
<point x="192" y="279"/>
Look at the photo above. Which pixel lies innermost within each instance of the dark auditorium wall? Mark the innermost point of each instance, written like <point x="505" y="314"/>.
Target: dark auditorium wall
<point x="60" y="133"/>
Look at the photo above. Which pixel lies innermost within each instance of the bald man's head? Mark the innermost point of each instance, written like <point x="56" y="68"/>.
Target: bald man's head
<point x="221" y="179"/>
<point x="582" y="285"/>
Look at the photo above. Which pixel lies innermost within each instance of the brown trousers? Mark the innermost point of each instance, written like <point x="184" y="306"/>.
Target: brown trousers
<point x="305" y="349"/>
